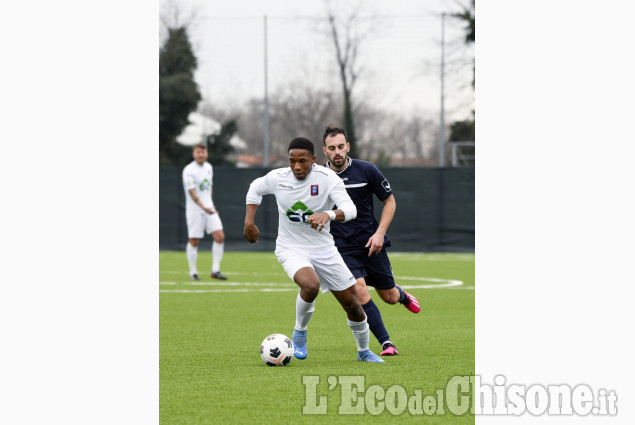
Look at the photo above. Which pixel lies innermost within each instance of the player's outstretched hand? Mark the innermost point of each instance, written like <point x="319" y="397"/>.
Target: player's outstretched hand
<point x="318" y="220"/>
<point x="251" y="232"/>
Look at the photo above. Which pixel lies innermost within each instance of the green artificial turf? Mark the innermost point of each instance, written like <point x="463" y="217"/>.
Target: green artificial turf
<point x="210" y="366"/>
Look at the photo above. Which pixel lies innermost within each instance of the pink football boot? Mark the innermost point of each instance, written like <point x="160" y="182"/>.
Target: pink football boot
<point x="413" y="305"/>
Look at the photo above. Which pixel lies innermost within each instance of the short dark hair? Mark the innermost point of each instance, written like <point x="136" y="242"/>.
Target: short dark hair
<point x="302" y="143"/>
<point x="199" y="145"/>
<point x="333" y="130"/>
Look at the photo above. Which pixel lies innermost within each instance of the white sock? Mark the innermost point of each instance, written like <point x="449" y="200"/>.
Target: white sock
<point x="303" y="313"/>
<point x="217" y="255"/>
<point x="191" y="252"/>
<point x="360" y="332"/>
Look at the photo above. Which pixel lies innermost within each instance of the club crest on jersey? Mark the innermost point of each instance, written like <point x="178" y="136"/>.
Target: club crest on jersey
<point x="314" y="190"/>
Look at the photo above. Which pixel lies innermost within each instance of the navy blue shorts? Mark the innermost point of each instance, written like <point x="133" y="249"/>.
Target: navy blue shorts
<point x="376" y="269"/>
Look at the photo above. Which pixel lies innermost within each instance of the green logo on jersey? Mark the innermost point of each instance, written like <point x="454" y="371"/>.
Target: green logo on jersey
<point x="299" y="212"/>
<point x="204" y="185"/>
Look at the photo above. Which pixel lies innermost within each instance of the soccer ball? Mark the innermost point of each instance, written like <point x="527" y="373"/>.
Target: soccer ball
<point x="276" y="350"/>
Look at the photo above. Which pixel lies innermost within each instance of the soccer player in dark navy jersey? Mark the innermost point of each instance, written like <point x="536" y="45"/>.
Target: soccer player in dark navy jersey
<point x="362" y="241"/>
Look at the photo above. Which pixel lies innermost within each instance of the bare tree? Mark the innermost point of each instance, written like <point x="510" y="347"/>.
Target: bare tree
<point x="348" y="31"/>
<point x="297" y="109"/>
<point x="394" y="139"/>
<point x="174" y="15"/>
<point x="302" y="110"/>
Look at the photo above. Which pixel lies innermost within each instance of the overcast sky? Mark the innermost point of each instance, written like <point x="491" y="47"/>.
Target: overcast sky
<point x="401" y="57"/>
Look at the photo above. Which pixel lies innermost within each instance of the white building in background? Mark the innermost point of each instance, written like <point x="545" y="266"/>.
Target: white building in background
<point x="200" y="127"/>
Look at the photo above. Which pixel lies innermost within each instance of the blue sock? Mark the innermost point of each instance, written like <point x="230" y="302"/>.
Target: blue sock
<point x="402" y="295"/>
<point x="376" y="325"/>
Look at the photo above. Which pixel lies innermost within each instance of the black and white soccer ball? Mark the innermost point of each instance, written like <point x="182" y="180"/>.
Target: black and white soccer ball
<point x="276" y="350"/>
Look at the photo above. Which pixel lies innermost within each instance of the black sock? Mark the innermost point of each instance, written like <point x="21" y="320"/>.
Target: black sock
<point x="376" y="325"/>
<point x="402" y="296"/>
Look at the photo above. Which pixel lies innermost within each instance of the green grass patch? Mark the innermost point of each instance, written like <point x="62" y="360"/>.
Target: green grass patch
<point x="210" y="366"/>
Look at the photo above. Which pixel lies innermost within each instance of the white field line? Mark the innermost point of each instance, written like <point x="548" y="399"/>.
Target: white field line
<point x="289" y="287"/>
<point x="407" y="256"/>
<point x="230" y="273"/>
<point x="444" y="283"/>
<point x="195" y="291"/>
<point x="197" y="283"/>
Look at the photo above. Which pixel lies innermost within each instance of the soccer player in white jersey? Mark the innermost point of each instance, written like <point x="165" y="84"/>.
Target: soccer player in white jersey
<point x="305" y="193"/>
<point x="200" y="213"/>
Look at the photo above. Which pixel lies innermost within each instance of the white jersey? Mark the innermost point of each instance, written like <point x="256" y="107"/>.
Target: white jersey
<point x="199" y="178"/>
<point x="297" y="199"/>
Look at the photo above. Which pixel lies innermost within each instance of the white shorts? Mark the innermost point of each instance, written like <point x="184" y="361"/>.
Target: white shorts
<point x="327" y="263"/>
<point x="200" y="222"/>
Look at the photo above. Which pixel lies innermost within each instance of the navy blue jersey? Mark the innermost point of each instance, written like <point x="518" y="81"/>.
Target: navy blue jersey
<point x="361" y="180"/>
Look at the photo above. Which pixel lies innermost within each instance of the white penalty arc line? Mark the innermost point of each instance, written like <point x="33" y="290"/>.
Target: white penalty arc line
<point x="198" y="283"/>
<point x="288" y="287"/>
<point x="180" y="272"/>
<point x="444" y="283"/>
<point x="199" y="291"/>
<point x="406" y="256"/>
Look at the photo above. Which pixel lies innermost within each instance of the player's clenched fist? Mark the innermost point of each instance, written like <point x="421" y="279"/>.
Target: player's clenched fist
<point x="251" y="233"/>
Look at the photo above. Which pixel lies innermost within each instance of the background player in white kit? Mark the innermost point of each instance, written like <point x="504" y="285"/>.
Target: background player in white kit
<point x="305" y="193"/>
<point x="200" y="214"/>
